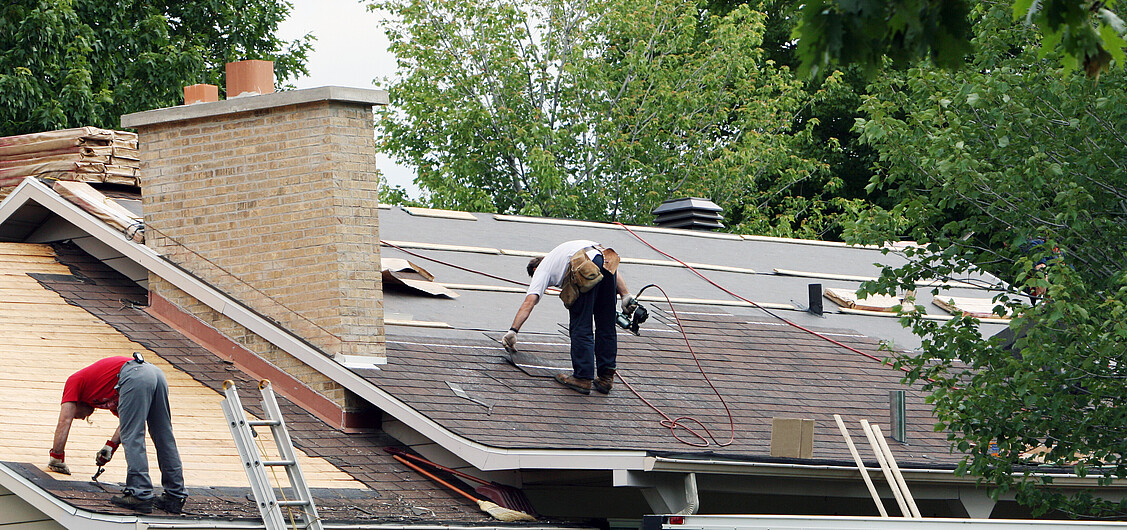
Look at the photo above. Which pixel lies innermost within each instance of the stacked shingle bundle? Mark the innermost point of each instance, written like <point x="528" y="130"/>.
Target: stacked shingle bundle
<point x="85" y="154"/>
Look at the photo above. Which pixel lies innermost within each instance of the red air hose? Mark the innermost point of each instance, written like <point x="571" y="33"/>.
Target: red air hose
<point x="757" y="306"/>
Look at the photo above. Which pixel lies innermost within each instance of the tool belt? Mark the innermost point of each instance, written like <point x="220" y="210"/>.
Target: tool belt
<point x="583" y="274"/>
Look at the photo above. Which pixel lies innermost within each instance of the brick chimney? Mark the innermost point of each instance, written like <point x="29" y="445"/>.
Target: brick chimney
<point x="272" y="199"/>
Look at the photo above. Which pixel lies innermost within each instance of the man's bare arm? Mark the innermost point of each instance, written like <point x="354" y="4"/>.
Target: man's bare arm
<point x="525" y="310"/>
<point x="62" y="430"/>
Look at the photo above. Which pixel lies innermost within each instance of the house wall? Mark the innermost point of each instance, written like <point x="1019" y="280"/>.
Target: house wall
<point x="275" y="203"/>
<point x="15" y="513"/>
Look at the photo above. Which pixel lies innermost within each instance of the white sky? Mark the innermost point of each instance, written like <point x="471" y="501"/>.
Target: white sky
<point x="350" y="50"/>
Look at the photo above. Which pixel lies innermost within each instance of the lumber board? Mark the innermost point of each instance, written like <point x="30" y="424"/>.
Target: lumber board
<point x="19" y="246"/>
<point x="17" y="252"/>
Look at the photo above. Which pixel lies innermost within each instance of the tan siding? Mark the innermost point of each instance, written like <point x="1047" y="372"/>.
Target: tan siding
<point x="15" y="513"/>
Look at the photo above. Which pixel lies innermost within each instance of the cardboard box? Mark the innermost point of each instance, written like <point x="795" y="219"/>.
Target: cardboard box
<point x="792" y="438"/>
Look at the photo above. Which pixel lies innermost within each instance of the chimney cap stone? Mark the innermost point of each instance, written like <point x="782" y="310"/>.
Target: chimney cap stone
<point x="358" y="96"/>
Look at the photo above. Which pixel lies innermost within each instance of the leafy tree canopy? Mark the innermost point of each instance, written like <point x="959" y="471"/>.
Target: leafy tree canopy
<point x="1088" y="33"/>
<point x="601" y="110"/>
<point x="69" y="63"/>
<point x="1014" y="167"/>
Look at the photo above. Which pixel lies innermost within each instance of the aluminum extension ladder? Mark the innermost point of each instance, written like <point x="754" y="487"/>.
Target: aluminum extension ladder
<point x="243" y="433"/>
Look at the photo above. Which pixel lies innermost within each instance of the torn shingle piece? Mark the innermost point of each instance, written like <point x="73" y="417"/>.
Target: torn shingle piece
<point x="848" y="298"/>
<point x="974" y="307"/>
<point x="398" y="271"/>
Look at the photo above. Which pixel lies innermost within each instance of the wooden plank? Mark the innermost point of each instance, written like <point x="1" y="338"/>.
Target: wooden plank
<point x="21" y="249"/>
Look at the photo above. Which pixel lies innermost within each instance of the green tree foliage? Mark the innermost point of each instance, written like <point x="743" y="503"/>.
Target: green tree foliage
<point x="1014" y="167"/>
<point x="69" y="63"/>
<point x="1088" y="32"/>
<point x="600" y="110"/>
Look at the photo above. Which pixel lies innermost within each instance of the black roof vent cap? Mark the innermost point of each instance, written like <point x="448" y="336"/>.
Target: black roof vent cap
<point x="693" y="213"/>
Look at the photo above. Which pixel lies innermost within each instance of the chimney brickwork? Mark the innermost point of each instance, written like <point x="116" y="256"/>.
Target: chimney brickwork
<point x="273" y="200"/>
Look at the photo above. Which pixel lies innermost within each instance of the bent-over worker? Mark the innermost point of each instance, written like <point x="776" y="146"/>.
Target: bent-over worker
<point x="137" y="393"/>
<point x="586" y="273"/>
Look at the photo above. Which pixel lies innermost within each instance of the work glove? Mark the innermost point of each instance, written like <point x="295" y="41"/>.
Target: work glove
<point x="106" y="453"/>
<point x="509" y="341"/>
<point x="629" y="304"/>
<point x="57" y="464"/>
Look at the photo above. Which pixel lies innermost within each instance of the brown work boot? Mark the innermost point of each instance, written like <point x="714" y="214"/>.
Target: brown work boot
<point x="170" y="503"/>
<point x="583" y="386"/>
<point x="605" y="381"/>
<point x="133" y="503"/>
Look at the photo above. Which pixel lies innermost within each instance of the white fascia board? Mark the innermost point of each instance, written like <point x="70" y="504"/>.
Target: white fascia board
<point x="59" y="511"/>
<point x="483" y="457"/>
<point x="922" y="475"/>
<point x="834" y="522"/>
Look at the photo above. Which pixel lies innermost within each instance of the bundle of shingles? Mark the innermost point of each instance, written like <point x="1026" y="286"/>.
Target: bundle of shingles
<point x="85" y="154"/>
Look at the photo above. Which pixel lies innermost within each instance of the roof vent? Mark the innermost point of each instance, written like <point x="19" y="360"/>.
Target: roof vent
<point x="692" y="213"/>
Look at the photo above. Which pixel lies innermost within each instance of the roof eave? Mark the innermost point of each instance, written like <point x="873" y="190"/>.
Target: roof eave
<point x="59" y="511"/>
<point x="832" y="471"/>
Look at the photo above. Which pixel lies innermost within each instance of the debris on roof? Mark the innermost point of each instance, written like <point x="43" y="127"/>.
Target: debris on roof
<point x="84" y="154"/>
<point x="874" y="302"/>
<point x="102" y="207"/>
<point x="398" y="271"/>
<point x="973" y="307"/>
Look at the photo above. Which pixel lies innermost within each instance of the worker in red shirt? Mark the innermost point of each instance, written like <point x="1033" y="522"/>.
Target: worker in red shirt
<point x="137" y="393"/>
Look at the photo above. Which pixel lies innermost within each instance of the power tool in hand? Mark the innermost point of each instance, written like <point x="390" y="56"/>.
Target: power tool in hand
<point x="631" y="322"/>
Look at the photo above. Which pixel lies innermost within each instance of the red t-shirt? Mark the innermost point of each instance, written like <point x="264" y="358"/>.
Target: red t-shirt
<point x="94" y="385"/>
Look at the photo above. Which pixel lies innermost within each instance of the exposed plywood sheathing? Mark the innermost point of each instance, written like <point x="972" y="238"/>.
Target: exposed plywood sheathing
<point x="975" y="307"/>
<point x="590" y="224"/>
<point x="438" y="246"/>
<point x="443" y="214"/>
<point x="418" y="323"/>
<point x="768" y="239"/>
<point x="853" y="278"/>
<point x="45" y="340"/>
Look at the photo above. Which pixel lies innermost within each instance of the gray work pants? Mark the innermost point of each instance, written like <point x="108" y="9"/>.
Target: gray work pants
<point x="143" y="398"/>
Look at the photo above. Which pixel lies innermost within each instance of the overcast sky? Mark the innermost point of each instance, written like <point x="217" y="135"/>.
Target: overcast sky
<point x="351" y="51"/>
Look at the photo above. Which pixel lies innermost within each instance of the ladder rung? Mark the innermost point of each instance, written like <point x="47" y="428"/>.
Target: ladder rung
<point x="278" y="462"/>
<point x="268" y="423"/>
<point x="293" y="503"/>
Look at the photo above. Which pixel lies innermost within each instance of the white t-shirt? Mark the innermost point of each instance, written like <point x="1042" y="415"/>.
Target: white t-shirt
<point x="551" y="271"/>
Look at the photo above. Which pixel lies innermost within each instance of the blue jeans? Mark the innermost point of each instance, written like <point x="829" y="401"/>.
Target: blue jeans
<point x="597" y="349"/>
<point x="143" y="398"/>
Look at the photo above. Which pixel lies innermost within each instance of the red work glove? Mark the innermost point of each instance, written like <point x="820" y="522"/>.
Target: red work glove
<point x="106" y="453"/>
<point x="57" y="464"/>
